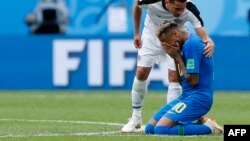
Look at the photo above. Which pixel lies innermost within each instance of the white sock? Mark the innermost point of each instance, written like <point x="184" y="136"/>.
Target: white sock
<point x="138" y="93"/>
<point x="174" y="91"/>
<point x="136" y="114"/>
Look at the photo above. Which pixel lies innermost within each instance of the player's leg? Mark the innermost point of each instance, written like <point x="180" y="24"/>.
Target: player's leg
<point x="166" y="126"/>
<point x="188" y="129"/>
<point x="149" y="129"/>
<point x="174" y="87"/>
<point x="148" y="55"/>
<point x="209" y="127"/>
<point x="183" y="126"/>
<point x="183" y="113"/>
<point x="139" y="90"/>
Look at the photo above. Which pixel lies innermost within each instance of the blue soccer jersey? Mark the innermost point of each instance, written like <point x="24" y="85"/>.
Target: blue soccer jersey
<point x="197" y="63"/>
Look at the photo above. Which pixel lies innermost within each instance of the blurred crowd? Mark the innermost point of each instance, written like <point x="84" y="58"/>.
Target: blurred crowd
<point x="48" y="17"/>
<point x="52" y="17"/>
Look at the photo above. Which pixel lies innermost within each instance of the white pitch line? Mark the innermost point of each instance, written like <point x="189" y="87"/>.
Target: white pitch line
<point x="107" y="134"/>
<point x="64" y="121"/>
<point x="111" y="133"/>
<point x="58" y="135"/>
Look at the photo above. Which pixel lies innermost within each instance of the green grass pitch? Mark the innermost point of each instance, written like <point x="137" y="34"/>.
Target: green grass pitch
<point x="98" y="115"/>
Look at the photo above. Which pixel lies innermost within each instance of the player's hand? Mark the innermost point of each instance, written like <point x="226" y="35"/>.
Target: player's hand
<point x="171" y="50"/>
<point x="137" y="41"/>
<point x="209" y="49"/>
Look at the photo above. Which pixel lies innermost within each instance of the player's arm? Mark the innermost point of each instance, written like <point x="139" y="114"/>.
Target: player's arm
<point x="209" y="49"/>
<point x="137" y="17"/>
<point x="200" y="30"/>
<point x="137" y="20"/>
<point x="193" y="79"/>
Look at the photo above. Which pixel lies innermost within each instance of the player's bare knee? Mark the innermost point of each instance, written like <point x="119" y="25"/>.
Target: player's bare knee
<point x="142" y="73"/>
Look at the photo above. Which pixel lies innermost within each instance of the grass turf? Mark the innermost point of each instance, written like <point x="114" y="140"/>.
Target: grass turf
<point x="98" y="115"/>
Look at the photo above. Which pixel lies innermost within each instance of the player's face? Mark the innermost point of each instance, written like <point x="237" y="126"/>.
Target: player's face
<point x="173" y="39"/>
<point x="176" y="8"/>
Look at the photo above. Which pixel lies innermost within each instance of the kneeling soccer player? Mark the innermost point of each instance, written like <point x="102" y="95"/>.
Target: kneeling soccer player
<point x="196" y="77"/>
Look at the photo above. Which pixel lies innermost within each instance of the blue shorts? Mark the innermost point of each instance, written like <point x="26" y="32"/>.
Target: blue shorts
<point x="183" y="110"/>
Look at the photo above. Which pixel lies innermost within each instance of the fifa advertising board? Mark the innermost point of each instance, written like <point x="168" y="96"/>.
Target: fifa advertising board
<point x="102" y="67"/>
<point x="48" y="62"/>
<point x="104" y="63"/>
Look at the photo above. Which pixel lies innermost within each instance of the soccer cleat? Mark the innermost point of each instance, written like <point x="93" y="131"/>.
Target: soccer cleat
<point x="133" y="126"/>
<point x="216" y="129"/>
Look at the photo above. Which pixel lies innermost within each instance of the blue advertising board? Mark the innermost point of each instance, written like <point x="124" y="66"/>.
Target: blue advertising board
<point x="79" y="62"/>
<point x="97" y="52"/>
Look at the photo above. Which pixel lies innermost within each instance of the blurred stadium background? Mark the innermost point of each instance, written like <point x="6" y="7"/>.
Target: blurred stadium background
<point x="97" y="54"/>
<point x="102" y="47"/>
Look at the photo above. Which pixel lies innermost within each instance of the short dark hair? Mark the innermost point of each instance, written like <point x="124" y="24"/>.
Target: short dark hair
<point x="166" y="27"/>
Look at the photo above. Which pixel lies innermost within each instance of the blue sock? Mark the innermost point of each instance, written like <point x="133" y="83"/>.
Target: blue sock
<point x="149" y="129"/>
<point x="196" y="129"/>
<point x="163" y="130"/>
<point x="190" y="129"/>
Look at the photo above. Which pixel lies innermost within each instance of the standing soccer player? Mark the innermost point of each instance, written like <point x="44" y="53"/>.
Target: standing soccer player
<point x="150" y="50"/>
<point x="196" y="72"/>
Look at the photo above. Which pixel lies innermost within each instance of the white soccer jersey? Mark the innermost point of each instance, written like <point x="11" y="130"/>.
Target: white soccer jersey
<point x="151" y="51"/>
<point x="157" y="15"/>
